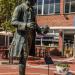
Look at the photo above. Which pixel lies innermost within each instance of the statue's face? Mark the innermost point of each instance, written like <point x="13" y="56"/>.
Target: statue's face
<point x="27" y="2"/>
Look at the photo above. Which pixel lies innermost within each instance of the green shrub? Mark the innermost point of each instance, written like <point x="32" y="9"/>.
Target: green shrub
<point x="62" y="64"/>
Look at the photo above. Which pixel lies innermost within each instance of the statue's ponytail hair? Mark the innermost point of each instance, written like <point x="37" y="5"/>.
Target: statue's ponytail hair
<point x="33" y="2"/>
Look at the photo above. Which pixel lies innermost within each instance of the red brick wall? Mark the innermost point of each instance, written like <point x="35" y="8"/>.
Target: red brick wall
<point x="60" y="41"/>
<point x="55" y="20"/>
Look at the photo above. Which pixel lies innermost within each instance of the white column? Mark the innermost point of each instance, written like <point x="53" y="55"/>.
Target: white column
<point x="5" y="39"/>
<point x="41" y="42"/>
<point x="8" y="40"/>
<point x="37" y="6"/>
<point x="42" y="6"/>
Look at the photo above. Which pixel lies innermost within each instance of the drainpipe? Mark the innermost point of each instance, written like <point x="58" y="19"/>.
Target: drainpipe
<point x="74" y="47"/>
<point x="61" y="42"/>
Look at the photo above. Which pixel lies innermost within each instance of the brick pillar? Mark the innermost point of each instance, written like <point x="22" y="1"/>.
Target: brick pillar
<point x="61" y="41"/>
<point x="61" y="6"/>
<point x="74" y="47"/>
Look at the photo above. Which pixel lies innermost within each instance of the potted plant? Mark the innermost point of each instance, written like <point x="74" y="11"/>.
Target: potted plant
<point x="62" y="67"/>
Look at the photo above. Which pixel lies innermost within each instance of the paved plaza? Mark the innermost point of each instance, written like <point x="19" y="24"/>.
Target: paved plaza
<point x="35" y="66"/>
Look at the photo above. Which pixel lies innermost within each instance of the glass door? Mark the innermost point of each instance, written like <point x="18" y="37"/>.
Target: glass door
<point x="68" y="45"/>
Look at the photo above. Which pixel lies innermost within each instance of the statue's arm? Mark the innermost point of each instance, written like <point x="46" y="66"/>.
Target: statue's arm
<point x="38" y="29"/>
<point x="15" y="22"/>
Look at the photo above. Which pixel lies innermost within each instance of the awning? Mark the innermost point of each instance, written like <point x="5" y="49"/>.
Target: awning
<point x="6" y="33"/>
<point x="61" y="27"/>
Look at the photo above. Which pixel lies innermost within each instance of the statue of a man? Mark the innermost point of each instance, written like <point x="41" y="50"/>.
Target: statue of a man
<point x="24" y="19"/>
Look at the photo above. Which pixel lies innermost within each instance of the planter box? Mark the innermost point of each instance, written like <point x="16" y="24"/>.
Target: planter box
<point x="61" y="69"/>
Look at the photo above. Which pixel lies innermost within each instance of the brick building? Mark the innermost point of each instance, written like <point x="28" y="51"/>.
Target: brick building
<point x="59" y="15"/>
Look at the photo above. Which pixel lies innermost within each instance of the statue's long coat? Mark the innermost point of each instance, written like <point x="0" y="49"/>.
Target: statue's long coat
<point x="22" y="39"/>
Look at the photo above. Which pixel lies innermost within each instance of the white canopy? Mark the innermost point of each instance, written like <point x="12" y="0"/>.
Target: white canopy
<point x="61" y="27"/>
<point x="6" y="33"/>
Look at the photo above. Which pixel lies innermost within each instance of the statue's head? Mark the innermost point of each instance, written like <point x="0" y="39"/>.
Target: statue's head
<point x="29" y="2"/>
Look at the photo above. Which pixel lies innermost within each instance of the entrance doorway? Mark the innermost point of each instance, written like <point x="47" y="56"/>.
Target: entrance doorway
<point x="68" y="45"/>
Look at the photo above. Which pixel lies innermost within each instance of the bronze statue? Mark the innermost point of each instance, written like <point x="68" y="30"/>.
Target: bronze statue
<point x="24" y="19"/>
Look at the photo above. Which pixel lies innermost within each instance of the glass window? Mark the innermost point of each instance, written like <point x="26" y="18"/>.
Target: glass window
<point x="69" y="6"/>
<point x="39" y="6"/>
<point x="57" y="1"/>
<point x="45" y="8"/>
<point x="39" y="9"/>
<point x="73" y="7"/>
<point x="46" y="1"/>
<point x="57" y="8"/>
<point x="48" y="7"/>
<point x="2" y="40"/>
<point x="39" y="2"/>
<point x="67" y="0"/>
<point x="54" y="6"/>
<point x="51" y="1"/>
<point x="73" y="0"/>
<point x="51" y="8"/>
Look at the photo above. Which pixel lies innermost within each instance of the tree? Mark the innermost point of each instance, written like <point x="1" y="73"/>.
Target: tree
<point x="6" y="10"/>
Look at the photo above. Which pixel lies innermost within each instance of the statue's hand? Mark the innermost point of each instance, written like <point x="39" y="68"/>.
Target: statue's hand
<point x="31" y="25"/>
<point x="21" y="27"/>
<point x="45" y="30"/>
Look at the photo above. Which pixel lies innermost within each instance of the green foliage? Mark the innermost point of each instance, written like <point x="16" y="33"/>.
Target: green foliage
<point x="6" y="25"/>
<point x="62" y="64"/>
<point x="6" y="10"/>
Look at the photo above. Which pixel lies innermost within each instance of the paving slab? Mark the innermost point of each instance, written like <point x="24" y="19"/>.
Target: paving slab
<point x="34" y="66"/>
